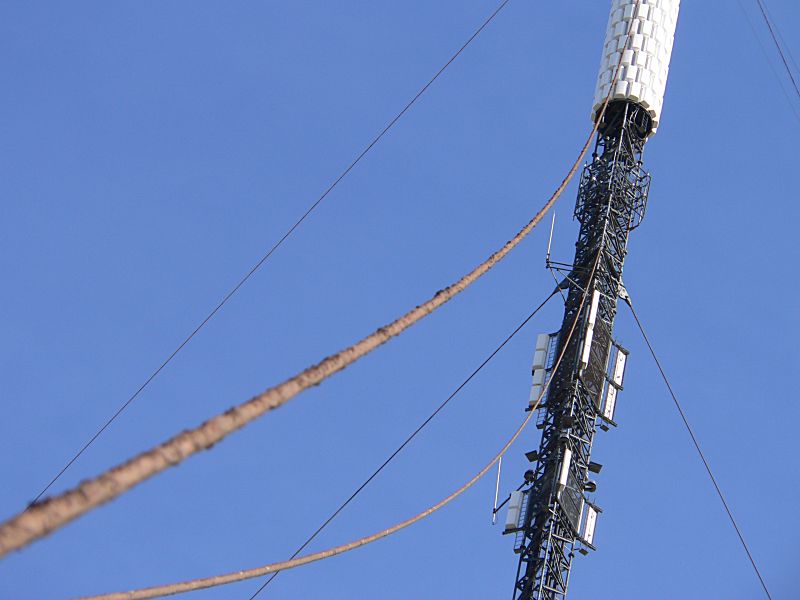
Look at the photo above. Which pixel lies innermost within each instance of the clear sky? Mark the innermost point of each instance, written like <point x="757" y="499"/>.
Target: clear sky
<point x="152" y="151"/>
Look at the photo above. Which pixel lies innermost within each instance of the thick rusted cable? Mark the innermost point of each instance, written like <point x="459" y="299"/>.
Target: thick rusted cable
<point x="44" y="517"/>
<point x="206" y="582"/>
<point x="408" y="440"/>
<point x="171" y="589"/>
<point x="272" y="250"/>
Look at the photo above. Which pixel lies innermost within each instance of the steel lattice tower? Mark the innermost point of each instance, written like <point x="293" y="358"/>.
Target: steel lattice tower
<point x="553" y="516"/>
<point x="611" y="202"/>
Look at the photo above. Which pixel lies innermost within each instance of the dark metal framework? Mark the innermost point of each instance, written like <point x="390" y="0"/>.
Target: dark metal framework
<point x="611" y="202"/>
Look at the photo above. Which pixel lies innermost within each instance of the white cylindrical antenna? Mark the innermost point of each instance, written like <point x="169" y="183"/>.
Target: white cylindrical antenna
<point x="645" y="57"/>
<point x="496" y="491"/>
<point x="550" y="240"/>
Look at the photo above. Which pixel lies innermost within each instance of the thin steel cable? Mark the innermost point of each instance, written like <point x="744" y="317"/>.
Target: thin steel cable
<point x="780" y="37"/>
<point x="697" y="447"/>
<point x="778" y="78"/>
<point x="277" y="244"/>
<point x="558" y="284"/>
<point x="53" y="513"/>
<point x="217" y="580"/>
<point x="408" y="440"/>
<point x="778" y="46"/>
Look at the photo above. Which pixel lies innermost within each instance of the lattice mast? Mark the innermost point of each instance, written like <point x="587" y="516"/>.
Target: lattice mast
<point x="553" y="514"/>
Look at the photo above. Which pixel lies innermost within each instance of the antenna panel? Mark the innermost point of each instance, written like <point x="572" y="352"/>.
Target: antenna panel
<point x="645" y="57"/>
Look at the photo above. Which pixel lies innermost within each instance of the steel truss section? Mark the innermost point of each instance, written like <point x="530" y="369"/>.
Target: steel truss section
<point x="611" y="202"/>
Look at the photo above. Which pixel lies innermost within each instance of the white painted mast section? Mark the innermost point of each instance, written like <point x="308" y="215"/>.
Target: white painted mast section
<point x="645" y="60"/>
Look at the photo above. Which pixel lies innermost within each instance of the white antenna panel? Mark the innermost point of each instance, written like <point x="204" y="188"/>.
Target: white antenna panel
<point x="619" y="367"/>
<point x="514" y="509"/>
<point x="611" y="403"/>
<point x="542" y="341"/>
<point x="645" y="57"/>
<point x="587" y="340"/>
<point x="591" y="523"/>
<point x="564" y="475"/>
<point x="540" y="359"/>
<point x="539" y="380"/>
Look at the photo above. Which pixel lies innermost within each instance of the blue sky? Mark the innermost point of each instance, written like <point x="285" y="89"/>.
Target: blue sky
<point x="152" y="151"/>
